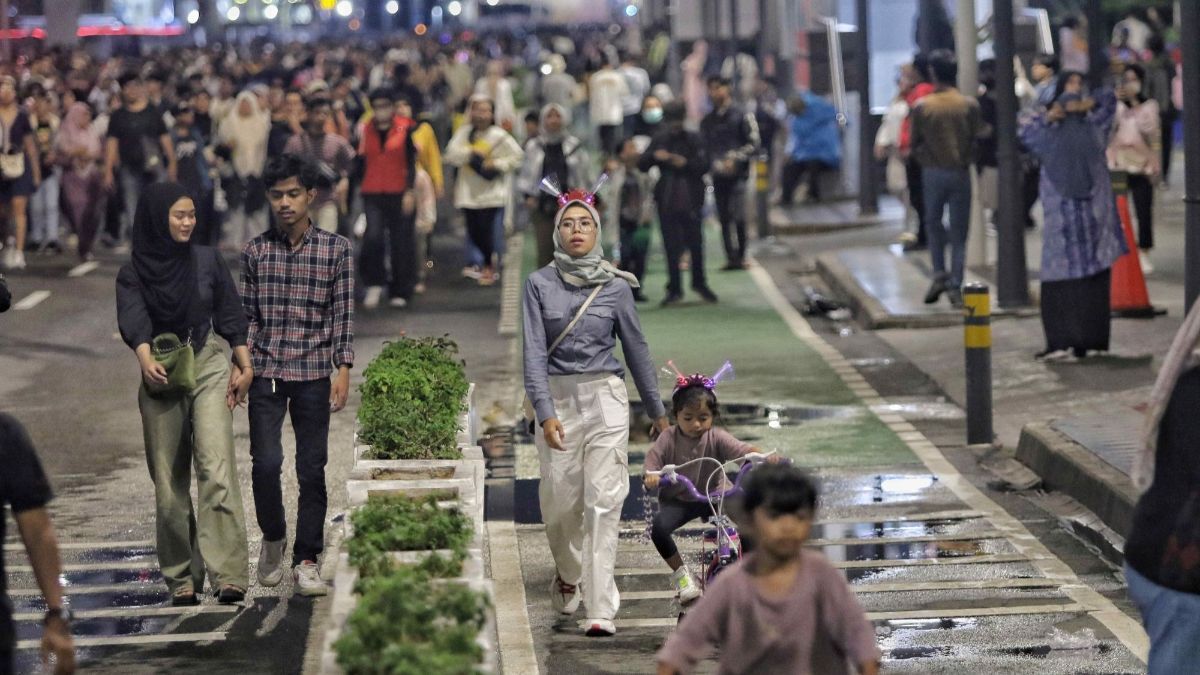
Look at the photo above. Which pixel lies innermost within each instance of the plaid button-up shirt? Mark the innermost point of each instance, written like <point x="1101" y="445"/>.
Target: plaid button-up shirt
<point x="300" y="304"/>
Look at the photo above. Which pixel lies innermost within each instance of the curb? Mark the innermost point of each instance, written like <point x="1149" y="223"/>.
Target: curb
<point x="1072" y="469"/>
<point x="788" y="227"/>
<point x="866" y="306"/>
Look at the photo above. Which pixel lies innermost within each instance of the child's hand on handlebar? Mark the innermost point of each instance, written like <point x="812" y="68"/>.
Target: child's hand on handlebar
<point x="775" y="458"/>
<point x="652" y="480"/>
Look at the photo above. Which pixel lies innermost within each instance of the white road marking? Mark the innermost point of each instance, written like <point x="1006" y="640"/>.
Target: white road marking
<point x="86" y="545"/>
<point x="510" y="294"/>
<point x="1126" y="629"/>
<point x="512" y="611"/>
<point x="948" y="613"/>
<point x="32" y="300"/>
<point x="868" y="588"/>
<point x="96" y="567"/>
<point x="124" y="640"/>
<point x="121" y="612"/>
<point x="88" y="589"/>
<point x="692" y="543"/>
<point x="83" y="268"/>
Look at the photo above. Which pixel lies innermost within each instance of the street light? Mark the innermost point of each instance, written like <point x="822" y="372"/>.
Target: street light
<point x="344" y="8"/>
<point x="270" y="12"/>
<point x="193" y="17"/>
<point x="233" y="14"/>
<point x="392" y="7"/>
<point x="455" y="8"/>
<point x="493" y="3"/>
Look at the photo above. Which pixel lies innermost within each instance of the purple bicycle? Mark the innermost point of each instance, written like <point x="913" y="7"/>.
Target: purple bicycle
<point x="721" y="546"/>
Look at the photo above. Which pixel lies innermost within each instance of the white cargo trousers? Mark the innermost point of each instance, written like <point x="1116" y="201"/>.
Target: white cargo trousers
<point x="583" y="489"/>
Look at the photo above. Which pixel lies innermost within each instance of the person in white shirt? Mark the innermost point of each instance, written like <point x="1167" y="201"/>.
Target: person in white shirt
<point x="606" y="92"/>
<point x="495" y="86"/>
<point x="637" y="83"/>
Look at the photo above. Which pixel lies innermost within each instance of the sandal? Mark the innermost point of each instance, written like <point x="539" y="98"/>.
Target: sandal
<point x="229" y="594"/>
<point x="184" y="597"/>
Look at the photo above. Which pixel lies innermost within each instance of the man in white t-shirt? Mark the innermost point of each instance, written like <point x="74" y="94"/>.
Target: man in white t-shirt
<point x="637" y="82"/>
<point x="606" y="91"/>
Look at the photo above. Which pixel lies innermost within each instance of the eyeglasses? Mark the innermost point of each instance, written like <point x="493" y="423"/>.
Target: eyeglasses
<point x="583" y="226"/>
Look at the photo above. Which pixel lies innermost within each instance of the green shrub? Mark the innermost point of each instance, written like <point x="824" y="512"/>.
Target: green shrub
<point x="399" y="523"/>
<point x="407" y="624"/>
<point x="412" y="397"/>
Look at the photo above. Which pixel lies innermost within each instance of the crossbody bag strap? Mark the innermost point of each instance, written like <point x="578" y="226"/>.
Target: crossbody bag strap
<point x="578" y="315"/>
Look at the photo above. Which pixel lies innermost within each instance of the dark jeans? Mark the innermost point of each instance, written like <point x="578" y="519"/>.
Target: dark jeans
<point x="681" y="231"/>
<point x="633" y="255"/>
<point x="1167" y="125"/>
<point x="1141" y="192"/>
<point x="916" y="195"/>
<point x="390" y="234"/>
<point x="672" y="515"/>
<point x="947" y="188"/>
<point x="731" y="210"/>
<point x="481" y="224"/>
<point x="795" y="171"/>
<point x="308" y="404"/>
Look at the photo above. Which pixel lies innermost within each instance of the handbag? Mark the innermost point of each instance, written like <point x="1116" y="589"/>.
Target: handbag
<point x="12" y="165"/>
<point x="527" y="405"/>
<point x="179" y="360"/>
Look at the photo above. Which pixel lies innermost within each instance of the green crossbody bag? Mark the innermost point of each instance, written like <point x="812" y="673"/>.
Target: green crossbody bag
<point x="179" y="360"/>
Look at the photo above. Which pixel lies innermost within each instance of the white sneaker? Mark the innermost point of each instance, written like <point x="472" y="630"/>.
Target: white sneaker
<point x="270" y="562"/>
<point x="371" y="301"/>
<point x="307" y="579"/>
<point x="398" y="303"/>
<point x="18" y="260"/>
<point x="1144" y="259"/>
<point x="599" y="628"/>
<point x="564" y="597"/>
<point x="471" y="272"/>
<point x="686" y="586"/>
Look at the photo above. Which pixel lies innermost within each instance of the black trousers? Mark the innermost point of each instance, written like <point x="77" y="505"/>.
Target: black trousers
<point x="610" y="138"/>
<point x="681" y="232"/>
<point x="308" y="404"/>
<point x="730" y="194"/>
<point x="633" y="256"/>
<point x="481" y="226"/>
<point x="1166" y="120"/>
<point x="794" y="172"/>
<point x="672" y="515"/>
<point x="1141" y="190"/>
<point x="916" y="195"/>
<point x="1031" y="175"/>
<point x="391" y="235"/>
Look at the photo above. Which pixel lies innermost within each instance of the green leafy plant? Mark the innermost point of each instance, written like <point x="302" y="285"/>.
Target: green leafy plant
<point x="412" y="397"/>
<point x="405" y="623"/>
<point x="399" y="523"/>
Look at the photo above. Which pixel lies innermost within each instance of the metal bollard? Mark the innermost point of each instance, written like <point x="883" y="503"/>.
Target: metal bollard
<point x="977" y="340"/>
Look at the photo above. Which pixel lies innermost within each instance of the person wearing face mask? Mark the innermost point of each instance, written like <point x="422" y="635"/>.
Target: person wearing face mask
<point x="1136" y="148"/>
<point x="650" y="119"/>
<point x="552" y="153"/>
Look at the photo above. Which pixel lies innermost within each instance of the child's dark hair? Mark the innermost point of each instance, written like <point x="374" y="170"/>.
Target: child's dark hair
<point x="781" y="489"/>
<point x="694" y="394"/>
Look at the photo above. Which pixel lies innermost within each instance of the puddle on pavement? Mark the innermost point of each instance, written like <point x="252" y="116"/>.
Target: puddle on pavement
<point x="920" y="408"/>
<point x="905" y="528"/>
<point x="135" y="556"/>
<point x="939" y="550"/>
<point x="842" y="491"/>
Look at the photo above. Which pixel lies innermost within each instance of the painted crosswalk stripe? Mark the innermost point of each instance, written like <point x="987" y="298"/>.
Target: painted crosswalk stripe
<point x="32" y="300"/>
<point x="128" y="640"/>
<point x="694" y="544"/>
<point x="916" y="586"/>
<point x="86" y="545"/>
<point x="96" y="567"/>
<point x="122" y="612"/>
<point x="990" y="558"/>
<point x="83" y="268"/>
<point x="154" y="586"/>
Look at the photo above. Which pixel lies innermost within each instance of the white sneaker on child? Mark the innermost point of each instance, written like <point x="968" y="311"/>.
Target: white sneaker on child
<point x="686" y="586"/>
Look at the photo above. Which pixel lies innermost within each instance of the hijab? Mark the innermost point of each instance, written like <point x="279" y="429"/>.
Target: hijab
<point x="71" y="137"/>
<point x="1174" y="364"/>
<point x="591" y="269"/>
<point x="547" y="137"/>
<point x="250" y="135"/>
<point x="166" y="268"/>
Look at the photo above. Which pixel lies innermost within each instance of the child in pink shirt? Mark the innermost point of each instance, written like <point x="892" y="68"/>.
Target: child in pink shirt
<point x="781" y="609"/>
<point x="692" y="436"/>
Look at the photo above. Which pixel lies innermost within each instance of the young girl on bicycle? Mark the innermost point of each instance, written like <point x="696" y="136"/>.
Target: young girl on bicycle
<point x="692" y="436"/>
<point x="781" y="608"/>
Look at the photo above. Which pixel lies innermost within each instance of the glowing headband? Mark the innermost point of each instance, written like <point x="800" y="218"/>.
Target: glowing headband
<point x="550" y="186"/>
<point x="699" y="379"/>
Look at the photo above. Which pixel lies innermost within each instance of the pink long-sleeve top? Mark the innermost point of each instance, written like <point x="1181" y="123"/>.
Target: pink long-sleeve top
<point x="674" y="447"/>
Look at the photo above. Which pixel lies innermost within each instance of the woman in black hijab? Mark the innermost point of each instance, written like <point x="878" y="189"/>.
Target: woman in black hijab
<point x="174" y="286"/>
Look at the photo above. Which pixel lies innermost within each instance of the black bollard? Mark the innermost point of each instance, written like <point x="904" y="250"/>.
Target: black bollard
<point x="977" y="339"/>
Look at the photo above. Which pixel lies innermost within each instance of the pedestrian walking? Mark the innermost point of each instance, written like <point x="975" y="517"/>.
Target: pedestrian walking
<point x="945" y="125"/>
<point x="1135" y="149"/>
<point x="814" y="145"/>
<point x="331" y="155"/>
<point x="731" y="135"/>
<point x="496" y="87"/>
<point x="782" y="608"/>
<point x="389" y="202"/>
<point x="429" y="183"/>
<point x="577" y="391"/>
<point x="44" y="211"/>
<point x="553" y="153"/>
<point x="635" y="212"/>
<point x="298" y="292"/>
<point x="921" y="88"/>
<point x="20" y="169"/>
<point x="1160" y="563"/>
<point x="1082" y="234"/>
<point x="174" y="292"/>
<point x="637" y="87"/>
<point x="137" y="147"/>
<point x="79" y="149"/>
<point x="486" y="156"/>
<point x="1160" y="76"/>
<point x="887" y="146"/>
<point x="682" y="161"/>
<point x="606" y="91"/>
<point x="25" y="489"/>
<point x="194" y="173"/>
<point x="245" y="135"/>
<point x="692" y="437"/>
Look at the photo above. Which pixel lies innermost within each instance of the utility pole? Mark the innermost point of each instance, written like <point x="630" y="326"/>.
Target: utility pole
<point x="1190" y="20"/>
<point x="868" y="200"/>
<point x="1012" y="279"/>
<point x="965" y="44"/>
<point x="1097" y="44"/>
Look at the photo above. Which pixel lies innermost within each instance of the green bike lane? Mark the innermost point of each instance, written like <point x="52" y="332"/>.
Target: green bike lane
<point x="950" y="579"/>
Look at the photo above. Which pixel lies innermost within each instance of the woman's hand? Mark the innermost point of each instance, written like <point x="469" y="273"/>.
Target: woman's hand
<point x="239" y="386"/>
<point x="659" y="426"/>
<point x="651" y="480"/>
<point x="552" y="430"/>
<point x="1056" y="113"/>
<point x="153" y="372"/>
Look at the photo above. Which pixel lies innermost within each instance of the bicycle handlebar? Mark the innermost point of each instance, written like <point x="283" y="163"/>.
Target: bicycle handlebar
<point x="671" y="476"/>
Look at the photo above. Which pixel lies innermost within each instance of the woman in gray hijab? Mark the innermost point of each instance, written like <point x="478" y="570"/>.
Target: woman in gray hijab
<point x="575" y="309"/>
<point x="553" y="152"/>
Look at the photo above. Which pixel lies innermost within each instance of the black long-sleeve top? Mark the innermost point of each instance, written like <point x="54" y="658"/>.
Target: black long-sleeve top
<point x="219" y="306"/>
<point x="682" y="187"/>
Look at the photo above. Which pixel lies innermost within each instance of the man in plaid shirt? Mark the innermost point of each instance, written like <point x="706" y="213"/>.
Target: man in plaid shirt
<point x="298" y="291"/>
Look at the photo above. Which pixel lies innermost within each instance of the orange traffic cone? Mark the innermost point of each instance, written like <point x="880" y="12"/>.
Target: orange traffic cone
<point x="1129" y="298"/>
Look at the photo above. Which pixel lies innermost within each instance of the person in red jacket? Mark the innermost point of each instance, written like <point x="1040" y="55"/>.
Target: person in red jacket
<point x="912" y="168"/>
<point x="389" y="159"/>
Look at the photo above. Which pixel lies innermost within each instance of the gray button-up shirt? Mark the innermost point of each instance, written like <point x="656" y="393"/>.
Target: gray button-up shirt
<point x="550" y="304"/>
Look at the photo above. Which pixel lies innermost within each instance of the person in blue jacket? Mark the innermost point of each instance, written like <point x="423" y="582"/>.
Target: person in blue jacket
<point x="814" y="144"/>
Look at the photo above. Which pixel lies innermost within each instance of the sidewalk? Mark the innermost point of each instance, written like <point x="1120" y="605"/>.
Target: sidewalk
<point x="1075" y="424"/>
